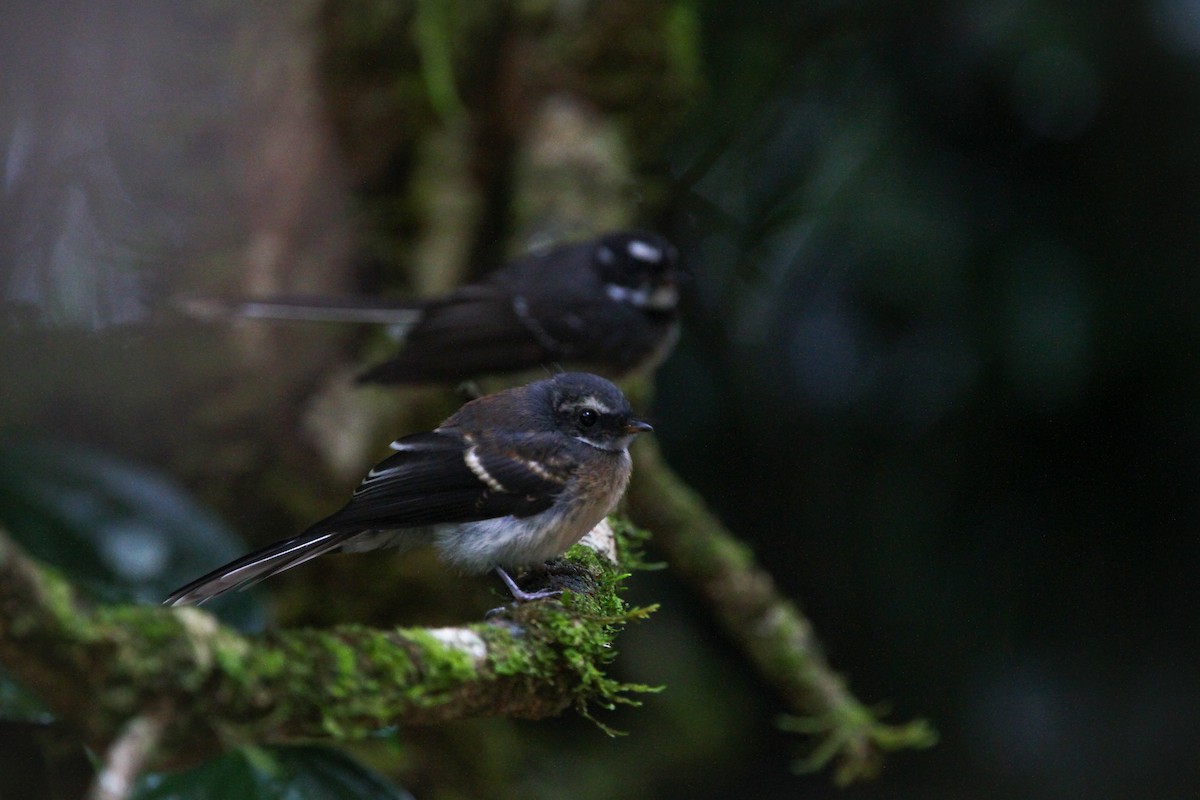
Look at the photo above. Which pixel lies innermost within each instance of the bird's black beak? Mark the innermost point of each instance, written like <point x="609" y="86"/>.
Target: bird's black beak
<point x="636" y="426"/>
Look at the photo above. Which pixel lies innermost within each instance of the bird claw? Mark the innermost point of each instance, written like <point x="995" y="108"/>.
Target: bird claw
<point x="522" y="596"/>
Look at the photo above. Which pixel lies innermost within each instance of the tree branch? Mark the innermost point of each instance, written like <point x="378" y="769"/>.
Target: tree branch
<point x="101" y="667"/>
<point x="767" y="626"/>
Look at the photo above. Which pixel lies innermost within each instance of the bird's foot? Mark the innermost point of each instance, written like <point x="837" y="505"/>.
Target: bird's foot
<point x="522" y="596"/>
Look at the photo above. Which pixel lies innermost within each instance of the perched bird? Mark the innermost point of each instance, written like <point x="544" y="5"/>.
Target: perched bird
<point x="609" y="305"/>
<point x="509" y="480"/>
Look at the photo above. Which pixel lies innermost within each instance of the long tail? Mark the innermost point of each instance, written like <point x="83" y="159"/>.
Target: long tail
<point x="300" y="308"/>
<point x="259" y="565"/>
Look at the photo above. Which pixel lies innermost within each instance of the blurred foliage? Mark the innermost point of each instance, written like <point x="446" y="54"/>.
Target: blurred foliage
<point x="272" y="773"/>
<point x="938" y="342"/>
<point x="124" y="534"/>
<point x="121" y="532"/>
<point x="18" y="704"/>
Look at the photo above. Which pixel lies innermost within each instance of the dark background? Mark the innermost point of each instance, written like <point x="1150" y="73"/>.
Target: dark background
<point x="940" y="371"/>
<point x="938" y="368"/>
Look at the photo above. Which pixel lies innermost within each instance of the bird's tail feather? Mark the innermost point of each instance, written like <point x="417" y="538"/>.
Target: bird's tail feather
<point x="259" y="565"/>
<point x="302" y="308"/>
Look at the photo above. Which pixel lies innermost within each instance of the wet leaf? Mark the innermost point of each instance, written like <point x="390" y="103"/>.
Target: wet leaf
<point x="275" y="773"/>
<point x="121" y="532"/>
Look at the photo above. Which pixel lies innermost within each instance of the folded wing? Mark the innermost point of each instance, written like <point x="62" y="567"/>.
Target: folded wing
<point x="445" y="476"/>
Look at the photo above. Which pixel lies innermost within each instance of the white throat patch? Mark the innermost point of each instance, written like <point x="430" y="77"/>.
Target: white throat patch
<point x="663" y="298"/>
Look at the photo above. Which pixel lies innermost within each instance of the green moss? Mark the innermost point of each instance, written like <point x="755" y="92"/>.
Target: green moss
<point x="506" y="656"/>
<point x="577" y="638"/>
<point x="349" y="681"/>
<point x="56" y="604"/>
<point x="443" y="666"/>
<point x="631" y="544"/>
<point x="392" y="665"/>
<point x="59" y="599"/>
<point x="155" y="647"/>
<point x="147" y="622"/>
<point x="339" y="662"/>
<point x="567" y="643"/>
<point x="366" y="677"/>
<point x="266" y="664"/>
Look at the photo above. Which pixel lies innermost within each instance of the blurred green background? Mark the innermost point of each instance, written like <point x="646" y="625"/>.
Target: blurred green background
<point x="938" y="366"/>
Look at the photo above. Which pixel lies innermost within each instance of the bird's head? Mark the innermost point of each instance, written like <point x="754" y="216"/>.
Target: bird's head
<point x="592" y="410"/>
<point x="641" y="269"/>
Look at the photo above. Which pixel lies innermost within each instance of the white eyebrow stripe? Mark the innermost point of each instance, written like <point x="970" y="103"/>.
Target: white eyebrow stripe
<point x="476" y="465"/>
<point x="596" y="404"/>
<point x="644" y="251"/>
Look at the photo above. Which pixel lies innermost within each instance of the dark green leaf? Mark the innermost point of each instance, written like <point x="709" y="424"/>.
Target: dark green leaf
<point x="16" y="703"/>
<point x="275" y="773"/>
<point x="119" y="531"/>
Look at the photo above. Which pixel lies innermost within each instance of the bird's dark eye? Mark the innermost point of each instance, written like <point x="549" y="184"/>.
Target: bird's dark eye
<point x="588" y="417"/>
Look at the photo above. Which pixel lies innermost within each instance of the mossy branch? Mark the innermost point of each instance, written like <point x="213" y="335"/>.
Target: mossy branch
<point x="101" y="667"/>
<point x="768" y="627"/>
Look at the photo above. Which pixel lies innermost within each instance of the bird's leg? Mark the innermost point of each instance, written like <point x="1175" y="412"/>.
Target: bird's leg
<point x="519" y="594"/>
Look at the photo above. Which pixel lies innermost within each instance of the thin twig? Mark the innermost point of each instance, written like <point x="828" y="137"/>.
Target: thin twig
<point x="128" y="755"/>
<point x="769" y="628"/>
